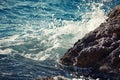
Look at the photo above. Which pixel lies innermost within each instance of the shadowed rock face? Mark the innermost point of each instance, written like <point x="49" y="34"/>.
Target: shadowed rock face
<point x="100" y="48"/>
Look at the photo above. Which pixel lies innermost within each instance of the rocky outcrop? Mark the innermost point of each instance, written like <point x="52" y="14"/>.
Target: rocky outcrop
<point x="99" y="49"/>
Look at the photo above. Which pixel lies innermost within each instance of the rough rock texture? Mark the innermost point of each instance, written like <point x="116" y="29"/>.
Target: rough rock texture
<point x="100" y="48"/>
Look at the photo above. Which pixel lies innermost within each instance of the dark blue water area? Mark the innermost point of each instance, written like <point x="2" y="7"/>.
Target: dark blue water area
<point x="31" y="26"/>
<point x="20" y="68"/>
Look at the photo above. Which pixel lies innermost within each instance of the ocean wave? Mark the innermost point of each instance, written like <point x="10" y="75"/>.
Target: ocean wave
<point x="50" y="39"/>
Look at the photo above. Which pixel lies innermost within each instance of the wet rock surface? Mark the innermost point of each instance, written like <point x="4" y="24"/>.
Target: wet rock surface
<point x="99" y="49"/>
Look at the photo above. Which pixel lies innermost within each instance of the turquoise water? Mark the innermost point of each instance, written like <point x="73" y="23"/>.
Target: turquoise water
<point x="35" y="34"/>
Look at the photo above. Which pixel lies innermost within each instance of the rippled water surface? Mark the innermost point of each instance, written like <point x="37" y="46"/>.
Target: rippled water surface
<point x="35" y="34"/>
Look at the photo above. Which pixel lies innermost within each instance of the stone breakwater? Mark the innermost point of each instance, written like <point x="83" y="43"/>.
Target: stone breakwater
<point x="99" y="49"/>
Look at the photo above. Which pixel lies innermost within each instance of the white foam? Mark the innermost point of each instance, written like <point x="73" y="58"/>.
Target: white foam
<point x="96" y="18"/>
<point x="8" y="39"/>
<point x="57" y="39"/>
<point x="5" y="51"/>
<point x="106" y="0"/>
<point x="5" y="73"/>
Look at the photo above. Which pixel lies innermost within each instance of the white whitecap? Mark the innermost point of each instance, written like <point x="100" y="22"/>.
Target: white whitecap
<point x="8" y="39"/>
<point x="5" y="51"/>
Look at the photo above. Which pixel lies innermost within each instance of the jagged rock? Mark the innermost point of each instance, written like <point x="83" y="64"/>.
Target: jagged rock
<point x="100" y="48"/>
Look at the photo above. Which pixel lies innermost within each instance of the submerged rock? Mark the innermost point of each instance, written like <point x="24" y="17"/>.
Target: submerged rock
<point x="99" y="49"/>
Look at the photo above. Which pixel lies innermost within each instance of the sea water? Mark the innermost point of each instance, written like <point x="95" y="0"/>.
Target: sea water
<point x="35" y="34"/>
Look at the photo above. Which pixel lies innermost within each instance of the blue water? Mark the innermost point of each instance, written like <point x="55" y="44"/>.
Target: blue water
<point x="35" y="34"/>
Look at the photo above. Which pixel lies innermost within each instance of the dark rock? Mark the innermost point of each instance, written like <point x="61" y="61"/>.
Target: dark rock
<point x="99" y="49"/>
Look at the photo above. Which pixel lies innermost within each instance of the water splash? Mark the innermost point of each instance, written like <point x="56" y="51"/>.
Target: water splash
<point x="41" y="40"/>
<point x="57" y="39"/>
